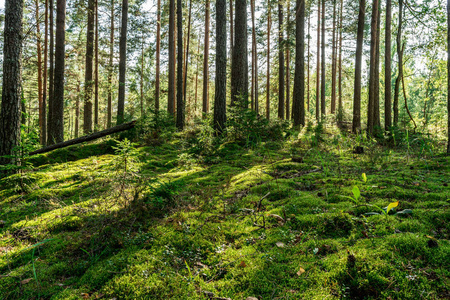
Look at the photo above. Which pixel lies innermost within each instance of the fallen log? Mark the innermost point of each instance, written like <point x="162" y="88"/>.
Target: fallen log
<point x="86" y="138"/>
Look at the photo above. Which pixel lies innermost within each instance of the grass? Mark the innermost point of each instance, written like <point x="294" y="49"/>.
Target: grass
<point x="272" y="221"/>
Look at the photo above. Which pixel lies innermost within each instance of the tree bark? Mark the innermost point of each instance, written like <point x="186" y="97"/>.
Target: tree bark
<point x="323" y="83"/>
<point x="318" y="64"/>
<point x="231" y="30"/>
<point x="298" y="108"/>
<point x="356" y="124"/>
<point x="187" y="51"/>
<point x="448" y="77"/>
<point x="280" y="62"/>
<point x="340" y="107"/>
<point x="221" y="67"/>
<point x="77" y="110"/>
<point x="372" y="72"/>
<point x="400" y="62"/>
<point x="142" y="77"/>
<point x="239" y="68"/>
<point x="39" y="75"/>
<point x="387" y="69"/>
<point x="51" y="73"/>
<point x="44" y="88"/>
<point x="333" y="62"/>
<point x="180" y="100"/>
<point x="96" y="69"/>
<point x="57" y="133"/>
<point x="288" y="58"/>
<point x="196" y="78"/>
<point x="254" y="89"/>
<point x="269" y="24"/>
<point x="122" y="63"/>
<point x="88" y="82"/>
<point x="171" y="92"/>
<point x="308" y="68"/>
<point x="12" y="77"/>
<point x="376" y="98"/>
<point x="205" y="97"/>
<point x="158" y="54"/>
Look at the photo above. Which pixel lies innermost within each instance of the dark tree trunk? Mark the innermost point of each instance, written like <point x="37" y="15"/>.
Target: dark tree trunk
<point x="180" y="100"/>
<point x="280" y="62"/>
<point x="387" y="69"/>
<point x="12" y="77"/>
<point x="57" y="133"/>
<point x="51" y="73"/>
<point x="333" y="62"/>
<point x="88" y="82"/>
<point x="322" y="86"/>
<point x="298" y="108"/>
<point x="269" y="24"/>
<point x="288" y="61"/>
<point x="205" y="106"/>
<point x="239" y="68"/>
<point x="356" y="124"/>
<point x="77" y="110"/>
<point x="171" y="88"/>
<point x="122" y="63"/>
<point x="187" y="51"/>
<point x="318" y="64"/>
<point x="340" y="108"/>
<point x="400" y="61"/>
<point x="158" y="54"/>
<point x="141" y="81"/>
<point x="221" y="67"/>
<point x="196" y="78"/>
<point x="231" y="29"/>
<point x="110" y="71"/>
<point x="96" y="69"/>
<point x="376" y="98"/>
<point x="44" y="75"/>
<point x="448" y="77"/>
<point x="372" y="70"/>
<point x="39" y="76"/>
<point x="308" y="68"/>
<point x="254" y="89"/>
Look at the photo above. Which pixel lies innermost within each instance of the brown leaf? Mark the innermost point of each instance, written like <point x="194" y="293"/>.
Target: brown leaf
<point x="25" y="281"/>
<point x="85" y="295"/>
<point x="242" y="264"/>
<point x="301" y="271"/>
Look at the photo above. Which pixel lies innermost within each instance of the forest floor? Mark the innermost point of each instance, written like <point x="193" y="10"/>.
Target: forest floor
<point x="292" y="219"/>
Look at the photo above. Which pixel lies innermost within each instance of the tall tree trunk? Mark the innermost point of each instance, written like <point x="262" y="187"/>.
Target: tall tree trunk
<point x="400" y="61"/>
<point x="318" y="63"/>
<point x="356" y="124"/>
<point x="376" y="98"/>
<point x="39" y="77"/>
<point x="373" y="67"/>
<point x="158" y="54"/>
<point x="288" y="58"/>
<point x="333" y="62"/>
<point x="196" y="78"/>
<point x="180" y="100"/>
<point x="51" y="73"/>
<point x="12" y="78"/>
<point x="298" y="108"/>
<point x="110" y="70"/>
<point x="142" y="77"/>
<point x="171" y="93"/>
<point x="269" y="24"/>
<point x="205" y="106"/>
<point x="88" y="83"/>
<point x="322" y="86"/>
<point x="308" y="69"/>
<point x="77" y="109"/>
<point x="448" y="77"/>
<point x="252" y="9"/>
<point x="221" y="67"/>
<point x="57" y="133"/>
<point x="122" y="63"/>
<point x="44" y="75"/>
<point x="387" y="69"/>
<point x="280" y="62"/>
<point x="340" y="107"/>
<point x="239" y="68"/>
<point x="231" y="29"/>
<point x="187" y="51"/>
<point x="96" y="69"/>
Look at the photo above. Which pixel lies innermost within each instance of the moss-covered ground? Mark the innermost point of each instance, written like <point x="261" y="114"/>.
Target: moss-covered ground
<point x="273" y="220"/>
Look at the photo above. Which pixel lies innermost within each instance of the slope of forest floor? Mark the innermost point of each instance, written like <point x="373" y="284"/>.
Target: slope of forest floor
<point x="291" y="219"/>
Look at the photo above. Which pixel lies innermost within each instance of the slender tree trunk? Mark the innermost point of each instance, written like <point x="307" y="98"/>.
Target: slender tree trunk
<point x="187" y="51"/>
<point x="288" y="58"/>
<point x="323" y="83"/>
<point x="356" y="124"/>
<point x="221" y="67"/>
<point x="205" y="106"/>
<point x="12" y="78"/>
<point x="44" y="88"/>
<point x="171" y="93"/>
<point x="333" y="62"/>
<point x="88" y="83"/>
<point x="77" y="109"/>
<point x="372" y="72"/>
<point x="158" y="54"/>
<point x="110" y="71"/>
<point x="196" y="79"/>
<point x="376" y="98"/>
<point x="318" y="63"/>
<point x="308" y="69"/>
<point x="340" y="107"/>
<point x="231" y="29"/>
<point x="299" y="79"/>
<point x="387" y="69"/>
<point x="51" y="73"/>
<point x="253" y="92"/>
<point x="280" y="62"/>
<point x="180" y="100"/>
<point x="400" y="62"/>
<point x="269" y="24"/>
<point x="39" y="77"/>
<point x="448" y="77"/>
<point x="142" y="77"/>
<point x="96" y="69"/>
<point x="122" y="63"/>
<point x="239" y="68"/>
<point x="57" y="133"/>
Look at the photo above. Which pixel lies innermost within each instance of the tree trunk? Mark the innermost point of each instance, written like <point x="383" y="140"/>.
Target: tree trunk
<point x="356" y="124"/>
<point x="88" y="83"/>
<point x="372" y="72"/>
<point x="57" y="133"/>
<point x="187" y="51"/>
<point x="400" y="62"/>
<point x="196" y="78"/>
<point x="96" y="69"/>
<point x="448" y="77"/>
<point x="205" y="106"/>
<point x="221" y="67"/>
<point x="77" y="109"/>
<point x="110" y="71"/>
<point x="387" y="69"/>
<point x="231" y="29"/>
<point x="171" y="93"/>
<point x="180" y="100"/>
<point x="12" y="78"/>
<point x="269" y="24"/>
<point x="322" y="86"/>
<point x="318" y="64"/>
<point x="51" y="73"/>
<point x="280" y="62"/>
<point x="253" y="90"/>
<point x="376" y="98"/>
<point x="298" y="108"/>
<point x="158" y="54"/>
<point x="44" y="88"/>
<point x="122" y="63"/>
<point x="142" y="77"/>
<point x="288" y="58"/>
<point x="340" y="107"/>
<point x="239" y="68"/>
<point x="39" y="75"/>
<point x="308" y="69"/>
<point x="333" y="62"/>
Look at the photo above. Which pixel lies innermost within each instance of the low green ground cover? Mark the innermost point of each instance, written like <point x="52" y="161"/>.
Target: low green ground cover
<point x="275" y="219"/>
